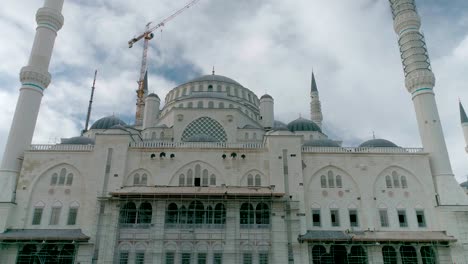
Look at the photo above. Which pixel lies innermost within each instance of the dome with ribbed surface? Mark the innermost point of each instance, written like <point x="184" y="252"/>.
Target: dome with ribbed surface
<point x="302" y="124"/>
<point x="266" y="96"/>
<point x="107" y="122"/>
<point x="321" y="143"/>
<point x="78" y="141"/>
<point x="213" y="77"/>
<point x="378" y="143"/>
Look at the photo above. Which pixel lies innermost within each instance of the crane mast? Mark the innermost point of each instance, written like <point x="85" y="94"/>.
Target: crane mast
<point x="147" y="36"/>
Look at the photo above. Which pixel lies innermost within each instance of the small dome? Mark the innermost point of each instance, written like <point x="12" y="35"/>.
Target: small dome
<point x="201" y="138"/>
<point x="302" y="124"/>
<point x="378" y="143"/>
<point x="107" y="122"/>
<point x="321" y="143"/>
<point x="464" y="184"/>
<point x="278" y="125"/>
<point x="153" y="95"/>
<point x="78" y="141"/>
<point x="266" y="96"/>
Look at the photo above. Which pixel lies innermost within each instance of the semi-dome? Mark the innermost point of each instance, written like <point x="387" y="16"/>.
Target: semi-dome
<point x="107" y="122"/>
<point x="214" y="77"/>
<point x="321" y="143"/>
<point x="302" y="124"/>
<point x="201" y="138"/>
<point x="378" y="143"/>
<point x="78" y="141"/>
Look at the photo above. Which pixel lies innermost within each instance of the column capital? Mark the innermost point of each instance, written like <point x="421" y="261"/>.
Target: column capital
<point x="49" y="18"/>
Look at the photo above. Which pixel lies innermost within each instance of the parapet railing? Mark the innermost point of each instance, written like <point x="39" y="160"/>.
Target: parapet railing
<point x="61" y="147"/>
<point x="220" y="145"/>
<point x="360" y="150"/>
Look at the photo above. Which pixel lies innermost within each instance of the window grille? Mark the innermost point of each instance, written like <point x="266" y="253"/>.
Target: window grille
<point x="316" y="217"/>
<point x="421" y="219"/>
<point x="72" y="214"/>
<point x="408" y="255"/>
<point x="139" y="257"/>
<point x="55" y="215"/>
<point x="389" y="255"/>
<point x="335" y="217"/>
<point x="247" y="258"/>
<point x="353" y="218"/>
<point x="201" y="258"/>
<point x="383" y="214"/>
<point x="246" y="214"/>
<point x="402" y="218"/>
<point x="170" y="258"/>
<point x="217" y="258"/>
<point x="123" y="257"/>
<point x="69" y="179"/>
<point x="263" y="258"/>
<point x="37" y="216"/>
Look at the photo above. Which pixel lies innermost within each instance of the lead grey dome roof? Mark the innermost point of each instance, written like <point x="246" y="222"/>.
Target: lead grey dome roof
<point x="464" y="184"/>
<point x="212" y="77"/>
<point x="378" y="143"/>
<point x="321" y="143"/>
<point x="302" y="124"/>
<point x="107" y="122"/>
<point x="78" y="141"/>
<point x="278" y="125"/>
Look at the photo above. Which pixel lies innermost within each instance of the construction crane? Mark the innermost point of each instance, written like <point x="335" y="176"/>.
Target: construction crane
<point x="147" y="36"/>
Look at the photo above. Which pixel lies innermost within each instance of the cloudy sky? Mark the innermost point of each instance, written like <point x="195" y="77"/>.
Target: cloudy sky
<point x="269" y="46"/>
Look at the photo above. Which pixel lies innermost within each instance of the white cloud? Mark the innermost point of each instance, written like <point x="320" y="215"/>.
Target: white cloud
<point x="268" y="46"/>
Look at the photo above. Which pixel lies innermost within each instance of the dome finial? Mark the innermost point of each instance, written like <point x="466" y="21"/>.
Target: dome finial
<point x="373" y="134"/>
<point x="213" y="72"/>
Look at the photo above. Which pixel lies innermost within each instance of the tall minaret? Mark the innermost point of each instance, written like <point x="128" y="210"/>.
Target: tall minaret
<point x="464" y="123"/>
<point x="34" y="80"/>
<point x="420" y="82"/>
<point x="315" y="106"/>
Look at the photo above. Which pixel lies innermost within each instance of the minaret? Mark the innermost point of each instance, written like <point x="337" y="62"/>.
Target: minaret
<point x="315" y="106"/>
<point x="34" y="78"/>
<point x="420" y="82"/>
<point x="464" y="123"/>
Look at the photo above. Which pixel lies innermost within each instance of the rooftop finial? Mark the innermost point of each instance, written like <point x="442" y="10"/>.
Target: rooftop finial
<point x="213" y="72"/>
<point x="373" y="135"/>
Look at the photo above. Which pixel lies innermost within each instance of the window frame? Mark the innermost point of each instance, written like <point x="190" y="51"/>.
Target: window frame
<point x="315" y="223"/>
<point x="336" y="213"/>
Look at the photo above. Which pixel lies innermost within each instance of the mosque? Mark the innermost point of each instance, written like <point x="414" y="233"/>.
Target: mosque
<point x="211" y="177"/>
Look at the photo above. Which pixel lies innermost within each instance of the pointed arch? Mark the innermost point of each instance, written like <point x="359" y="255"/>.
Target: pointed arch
<point x="131" y="178"/>
<point x="323" y="178"/>
<point x="382" y="181"/>
<point x="244" y="181"/>
<point x="212" y="173"/>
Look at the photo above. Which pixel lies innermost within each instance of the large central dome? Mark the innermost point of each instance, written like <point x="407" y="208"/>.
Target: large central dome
<point x="213" y="77"/>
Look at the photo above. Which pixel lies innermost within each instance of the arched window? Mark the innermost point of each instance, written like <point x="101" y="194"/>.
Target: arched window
<point x="144" y="179"/>
<point x="161" y="136"/>
<point x="128" y="213"/>
<point x="388" y="181"/>
<point x="136" y="179"/>
<point x="228" y="90"/>
<point x="258" y="180"/>
<point x="184" y="91"/>
<point x="153" y="136"/>
<point x="221" y="105"/>
<point x="389" y="255"/>
<point x="181" y="180"/>
<point x="231" y="106"/>
<point x="205" y="178"/>
<point x="357" y="255"/>
<point x="213" y="180"/>
<point x="189" y="181"/>
<point x="254" y="135"/>
<point x="323" y="181"/>
<point x="428" y="255"/>
<point x="210" y="104"/>
<point x="246" y="136"/>
<point x="200" y="104"/>
<point x="220" y="214"/>
<point x="172" y="214"/>
<point x="331" y="180"/>
<point x="144" y="213"/>
<point x="218" y="88"/>
<point x="262" y="214"/>
<point x="209" y="215"/>
<point x="195" y="213"/>
<point x="396" y="181"/>
<point x="183" y="215"/>
<point x="408" y="255"/>
<point x="63" y="173"/>
<point x="246" y="214"/>
<point x="339" y="182"/>
<point x="404" y="183"/>
<point x="190" y="105"/>
<point x="53" y="180"/>
<point x="210" y="88"/>
<point x="250" y="180"/>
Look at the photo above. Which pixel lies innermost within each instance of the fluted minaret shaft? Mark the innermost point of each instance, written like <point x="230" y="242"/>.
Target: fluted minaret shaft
<point x="315" y="105"/>
<point x="420" y="82"/>
<point x="34" y="78"/>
